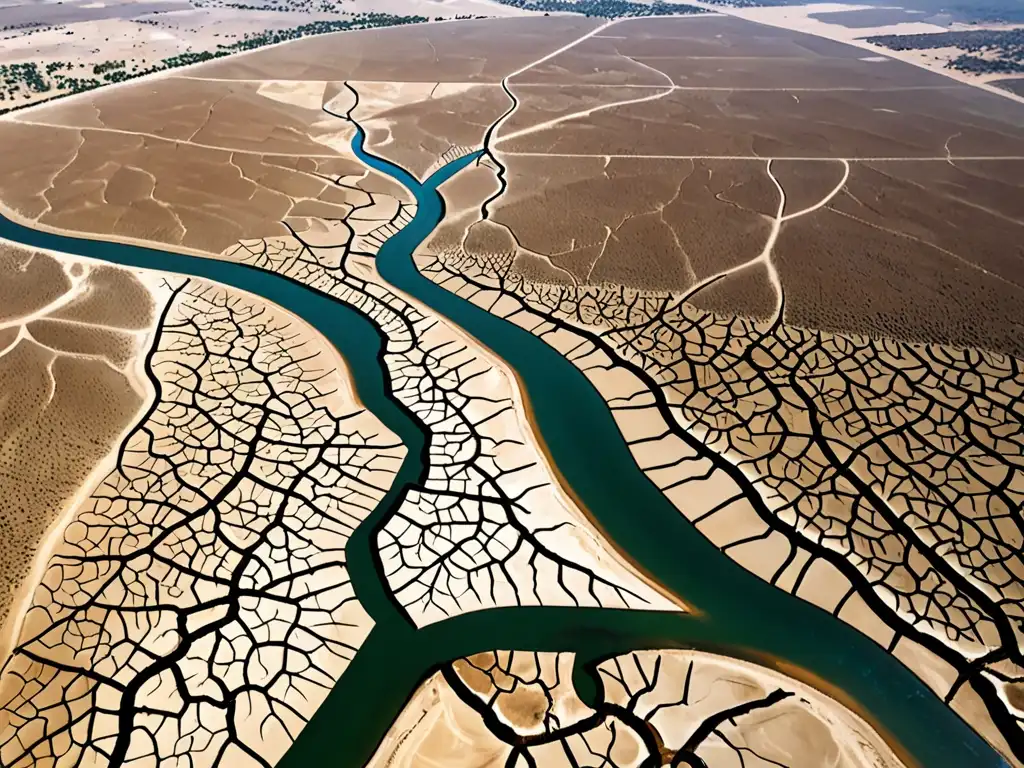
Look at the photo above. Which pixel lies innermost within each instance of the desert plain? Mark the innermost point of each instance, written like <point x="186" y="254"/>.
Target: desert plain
<point x="791" y="268"/>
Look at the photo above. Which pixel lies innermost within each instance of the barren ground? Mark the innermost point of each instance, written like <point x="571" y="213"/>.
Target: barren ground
<point x="512" y="707"/>
<point x="73" y="336"/>
<point x="186" y="162"/>
<point x="478" y="51"/>
<point x="864" y="213"/>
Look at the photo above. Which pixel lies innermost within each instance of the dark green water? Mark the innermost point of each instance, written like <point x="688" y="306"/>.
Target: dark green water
<point x="742" y="615"/>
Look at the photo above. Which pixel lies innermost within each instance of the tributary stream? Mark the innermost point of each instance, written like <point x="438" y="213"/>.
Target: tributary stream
<point x="740" y="614"/>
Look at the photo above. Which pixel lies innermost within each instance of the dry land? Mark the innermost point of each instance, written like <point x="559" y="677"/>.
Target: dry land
<point x="54" y="49"/>
<point x="418" y="125"/>
<point x="478" y="51"/>
<point x="73" y="337"/>
<point x="183" y="162"/>
<point x="779" y="122"/>
<point x="132" y="594"/>
<point x="512" y="707"/>
<point x="809" y="256"/>
<point x="781" y="377"/>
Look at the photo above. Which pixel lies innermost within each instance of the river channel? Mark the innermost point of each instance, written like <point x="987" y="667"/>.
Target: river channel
<point x="740" y="614"/>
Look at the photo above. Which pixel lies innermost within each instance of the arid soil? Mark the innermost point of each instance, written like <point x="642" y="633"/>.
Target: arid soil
<point x="211" y="551"/>
<point x="651" y="223"/>
<point x="743" y="425"/>
<point x="777" y="122"/>
<point x="64" y="41"/>
<point x="73" y="336"/>
<point x="835" y="413"/>
<point x="690" y="52"/>
<point x="491" y="526"/>
<point x="187" y="163"/>
<point x="265" y="118"/>
<point x="919" y="251"/>
<point x="928" y="248"/>
<point x="834" y="405"/>
<point x="478" y="51"/>
<point x="418" y="125"/>
<point x="514" y="707"/>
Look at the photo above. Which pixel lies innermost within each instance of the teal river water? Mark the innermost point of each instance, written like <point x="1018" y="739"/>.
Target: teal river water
<point x="741" y="614"/>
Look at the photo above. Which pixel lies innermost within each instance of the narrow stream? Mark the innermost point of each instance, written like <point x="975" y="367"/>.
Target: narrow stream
<point x="742" y="615"/>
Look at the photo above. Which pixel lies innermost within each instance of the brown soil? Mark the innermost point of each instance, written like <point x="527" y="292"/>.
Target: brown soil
<point x="720" y="52"/>
<point x="26" y="284"/>
<point x="133" y="309"/>
<point x="594" y="61"/>
<point x="229" y="115"/>
<point x="539" y="104"/>
<point x="913" y="258"/>
<point x="747" y="292"/>
<point x="177" y="194"/>
<point x="625" y="60"/>
<point x="468" y="187"/>
<point x="670" y="222"/>
<point x="481" y="51"/>
<point x="805" y="124"/>
<point x="415" y="124"/>
<point x="68" y="393"/>
<point x="31" y="157"/>
<point x="722" y="36"/>
<point x="806" y="181"/>
<point x="776" y="72"/>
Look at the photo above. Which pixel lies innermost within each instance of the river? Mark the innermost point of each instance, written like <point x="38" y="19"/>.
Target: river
<point x="740" y="614"/>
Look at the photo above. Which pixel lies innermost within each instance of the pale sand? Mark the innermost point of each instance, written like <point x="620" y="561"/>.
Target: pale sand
<point x="421" y="125"/>
<point x="43" y="480"/>
<point x="529" y="692"/>
<point x="726" y="408"/>
<point x="436" y="728"/>
<point x="318" y="389"/>
<point x="809" y="730"/>
<point x="538" y="484"/>
<point x="145" y="45"/>
<point x="797" y="18"/>
<point x="804" y="728"/>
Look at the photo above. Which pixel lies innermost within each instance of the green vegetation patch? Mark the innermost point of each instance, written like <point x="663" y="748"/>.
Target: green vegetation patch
<point x="608" y="9"/>
<point x="985" y="50"/>
<point x="24" y="79"/>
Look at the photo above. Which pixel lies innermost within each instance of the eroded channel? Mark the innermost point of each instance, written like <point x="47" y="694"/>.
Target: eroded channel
<point x="741" y="615"/>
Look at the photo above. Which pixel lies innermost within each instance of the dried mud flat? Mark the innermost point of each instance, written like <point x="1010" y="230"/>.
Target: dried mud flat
<point x="478" y="51"/>
<point x="489" y="525"/>
<point x="925" y="252"/>
<point x="422" y="125"/>
<point x="192" y="164"/>
<point x="679" y="284"/>
<point x="835" y="406"/>
<point x="822" y="123"/>
<point x="73" y="335"/>
<point x="210" y="551"/>
<point x="513" y="708"/>
<point x="901" y="189"/>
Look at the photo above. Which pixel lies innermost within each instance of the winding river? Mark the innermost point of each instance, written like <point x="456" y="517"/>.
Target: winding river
<point x="741" y="615"/>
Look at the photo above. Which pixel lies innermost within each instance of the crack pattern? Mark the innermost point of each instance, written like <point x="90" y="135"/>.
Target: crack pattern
<point x="653" y="708"/>
<point x="880" y="480"/>
<point x="487" y="525"/>
<point x="199" y="608"/>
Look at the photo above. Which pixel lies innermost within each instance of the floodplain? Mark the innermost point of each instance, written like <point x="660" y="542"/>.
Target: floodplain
<point x="788" y="269"/>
